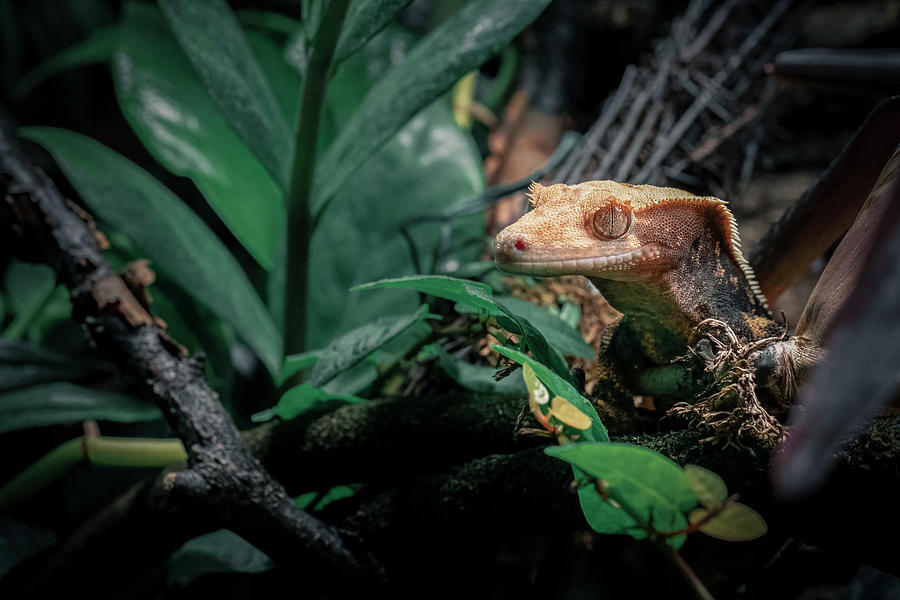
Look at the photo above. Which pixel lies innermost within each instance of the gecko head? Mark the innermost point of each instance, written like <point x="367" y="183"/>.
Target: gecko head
<point x="606" y="230"/>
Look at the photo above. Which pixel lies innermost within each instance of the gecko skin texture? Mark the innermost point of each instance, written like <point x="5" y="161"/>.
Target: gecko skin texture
<point x="663" y="257"/>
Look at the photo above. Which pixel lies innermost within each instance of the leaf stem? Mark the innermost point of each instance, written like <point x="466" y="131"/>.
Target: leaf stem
<point x="688" y="573"/>
<point x="299" y="230"/>
<point x="96" y="449"/>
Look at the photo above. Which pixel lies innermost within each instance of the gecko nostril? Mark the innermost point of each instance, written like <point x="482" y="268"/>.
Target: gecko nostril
<point x="520" y="244"/>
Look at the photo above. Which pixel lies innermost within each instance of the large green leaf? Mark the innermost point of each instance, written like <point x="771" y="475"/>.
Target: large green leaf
<point x="166" y="231"/>
<point x="353" y="346"/>
<point x="166" y="105"/>
<point x="650" y="486"/>
<point x="457" y="46"/>
<point x="211" y="36"/>
<point x="57" y="403"/>
<point x="430" y="164"/>
<point x="365" y="18"/>
<point x="283" y="79"/>
<point x="478" y="295"/>
<point x="472" y="293"/>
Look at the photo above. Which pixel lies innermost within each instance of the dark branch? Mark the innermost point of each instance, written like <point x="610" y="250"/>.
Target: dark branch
<point x="223" y="480"/>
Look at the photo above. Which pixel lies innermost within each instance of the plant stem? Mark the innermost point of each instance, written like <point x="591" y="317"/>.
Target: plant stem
<point x="299" y="230"/>
<point x="688" y="573"/>
<point x="98" y="450"/>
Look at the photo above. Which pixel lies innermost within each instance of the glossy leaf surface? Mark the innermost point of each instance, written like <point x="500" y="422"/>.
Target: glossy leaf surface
<point x="164" y="230"/>
<point x="463" y="42"/>
<point x="58" y="403"/>
<point x="652" y="487"/>
<point x="353" y="346"/>
<point x="170" y="111"/>
<point x="212" y="39"/>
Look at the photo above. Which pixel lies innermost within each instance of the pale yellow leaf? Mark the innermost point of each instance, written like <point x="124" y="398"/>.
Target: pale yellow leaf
<point x="566" y="412"/>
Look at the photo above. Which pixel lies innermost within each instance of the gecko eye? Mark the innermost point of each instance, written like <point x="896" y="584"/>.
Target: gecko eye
<point x="612" y="221"/>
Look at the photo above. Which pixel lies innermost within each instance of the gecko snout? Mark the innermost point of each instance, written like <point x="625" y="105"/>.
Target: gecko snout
<point x="506" y="247"/>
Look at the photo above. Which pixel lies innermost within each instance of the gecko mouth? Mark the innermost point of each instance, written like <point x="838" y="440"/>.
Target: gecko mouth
<point x="536" y="264"/>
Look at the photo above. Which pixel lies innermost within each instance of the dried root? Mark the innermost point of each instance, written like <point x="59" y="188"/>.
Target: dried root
<point x="729" y="409"/>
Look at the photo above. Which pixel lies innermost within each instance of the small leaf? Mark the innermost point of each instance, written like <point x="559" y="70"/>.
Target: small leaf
<point x="460" y="44"/>
<point x="164" y="230"/>
<point x="295" y="363"/>
<point x="60" y="403"/>
<point x="735" y="523"/>
<point x="710" y="489"/>
<point x="477" y="378"/>
<point x="304" y="397"/>
<point x="95" y="49"/>
<point x="356" y="344"/>
<point x="210" y="35"/>
<point x="218" y="552"/>
<point x="563" y="410"/>
<point x="468" y="292"/>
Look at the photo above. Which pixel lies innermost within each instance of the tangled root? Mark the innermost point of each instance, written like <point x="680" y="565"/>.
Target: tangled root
<point x="729" y="408"/>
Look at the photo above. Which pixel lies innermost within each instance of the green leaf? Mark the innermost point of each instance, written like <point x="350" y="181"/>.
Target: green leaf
<point x="648" y="485"/>
<point x="355" y="345"/>
<point x="313" y="501"/>
<point x="302" y="398"/>
<point x="710" y="489"/>
<point x="430" y="164"/>
<point x="218" y="552"/>
<point x="166" y="231"/>
<point x="472" y="293"/>
<point x="35" y="299"/>
<point x="97" y="48"/>
<point x="284" y="81"/>
<point x="22" y="365"/>
<point x="735" y="523"/>
<point x="535" y="342"/>
<point x="271" y="21"/>
<point x="365" y="18"/>
<point x="210" y="35"/>
<point x="58" y="403"/>
<point x="168" y="108"/>
<point x="477" y="378"/>
<point x="19" y="540"/>
<point x="558" y="333"/>
<point x="560" y="387"/>
<point x="463" y="42"/>
<point x="295" y="363"/>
